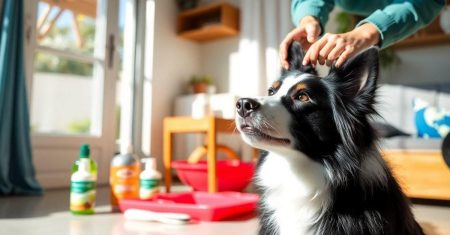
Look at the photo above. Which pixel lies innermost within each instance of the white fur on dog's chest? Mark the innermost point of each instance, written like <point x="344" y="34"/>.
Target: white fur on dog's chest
<point x="295" y="191"/>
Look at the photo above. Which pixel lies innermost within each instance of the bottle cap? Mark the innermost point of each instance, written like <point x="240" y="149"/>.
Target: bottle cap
<point x="84" y="151"/>
<point x="130" y="149"/>
<point x="150" y="163"/>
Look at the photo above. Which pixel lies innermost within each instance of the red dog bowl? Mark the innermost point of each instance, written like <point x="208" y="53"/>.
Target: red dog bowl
<point x="232" y="175"/>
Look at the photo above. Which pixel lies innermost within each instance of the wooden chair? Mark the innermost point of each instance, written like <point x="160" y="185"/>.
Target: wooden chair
<point x="207" y="125"/>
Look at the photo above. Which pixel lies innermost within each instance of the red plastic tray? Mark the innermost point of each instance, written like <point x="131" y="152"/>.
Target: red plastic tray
<point x="199" y="205"/>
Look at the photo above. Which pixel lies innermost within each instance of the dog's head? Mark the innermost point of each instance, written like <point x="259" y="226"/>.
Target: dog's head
<point x="311" y="114"/>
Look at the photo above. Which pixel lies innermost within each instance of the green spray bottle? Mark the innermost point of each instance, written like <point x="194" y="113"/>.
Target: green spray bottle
<point x="83" y="183"/>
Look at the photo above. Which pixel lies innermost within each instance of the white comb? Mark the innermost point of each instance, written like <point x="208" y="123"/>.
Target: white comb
<point x="167" y="218"/>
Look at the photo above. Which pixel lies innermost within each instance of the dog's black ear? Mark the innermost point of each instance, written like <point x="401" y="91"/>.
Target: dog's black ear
<point x="354" y="86"/>
<point x="358" y="76"/>
<point x="295" y="58"/>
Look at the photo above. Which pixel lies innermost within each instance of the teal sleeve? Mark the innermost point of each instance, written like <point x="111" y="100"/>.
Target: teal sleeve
<point x="403" y="18"/>
<point x="317" y="8"/>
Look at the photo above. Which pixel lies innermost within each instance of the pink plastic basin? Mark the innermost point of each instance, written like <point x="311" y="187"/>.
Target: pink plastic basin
<point x="232" y="175"/>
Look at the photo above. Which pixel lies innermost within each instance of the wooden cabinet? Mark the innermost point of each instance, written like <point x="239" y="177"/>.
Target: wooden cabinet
<point x="422" y="174"/>
<point x="209" y="22"/>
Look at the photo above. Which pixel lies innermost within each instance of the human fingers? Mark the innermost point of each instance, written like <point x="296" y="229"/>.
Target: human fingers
<point x="305" y="44"/>
<point x="349" y="52"/>
<point x="313" y="52"/>
<point x="312" y="32"/>
<point x="337" y="50"/>
<point x="323" y="54"/>
<point x="297" y="33"/>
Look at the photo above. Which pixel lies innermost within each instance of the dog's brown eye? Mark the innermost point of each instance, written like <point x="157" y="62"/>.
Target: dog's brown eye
<point x="271" y="91"/>
<point x="303" y="97"/>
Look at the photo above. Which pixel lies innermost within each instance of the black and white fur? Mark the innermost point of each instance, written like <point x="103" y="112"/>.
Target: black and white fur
<point x="322" y="172"/>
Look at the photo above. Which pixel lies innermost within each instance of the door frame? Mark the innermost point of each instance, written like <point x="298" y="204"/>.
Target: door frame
<point x="54" y="154"/>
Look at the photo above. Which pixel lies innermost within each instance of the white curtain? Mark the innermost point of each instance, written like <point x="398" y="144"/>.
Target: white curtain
<point x="264" y="23"/>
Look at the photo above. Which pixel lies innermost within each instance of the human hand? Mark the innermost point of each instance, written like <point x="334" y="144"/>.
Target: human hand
<point x="340" y="47"/>
<point x="306" y="33"/>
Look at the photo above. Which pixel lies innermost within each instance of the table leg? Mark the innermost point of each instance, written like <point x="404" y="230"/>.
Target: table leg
<point x="167" y="157"/>
<point x="212" y="176"/>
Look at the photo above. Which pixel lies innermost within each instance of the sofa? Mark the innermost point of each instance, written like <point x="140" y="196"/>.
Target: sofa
<point x="417" y="162"/>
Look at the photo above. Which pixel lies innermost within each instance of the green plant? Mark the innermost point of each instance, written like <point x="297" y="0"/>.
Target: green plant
<point x="345" y="22"/>
<point x="82" y="126"/>
<point x="388" y="58"/>
<point x="61" y="37"/>
<point x="34" y="127"/>
<point x="205" y="79"/>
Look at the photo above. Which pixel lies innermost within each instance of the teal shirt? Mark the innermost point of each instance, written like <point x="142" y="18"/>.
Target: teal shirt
<point x="394" y="19"/>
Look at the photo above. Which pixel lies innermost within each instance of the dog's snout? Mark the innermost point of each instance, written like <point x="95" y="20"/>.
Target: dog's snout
<point x="245" y="106"/>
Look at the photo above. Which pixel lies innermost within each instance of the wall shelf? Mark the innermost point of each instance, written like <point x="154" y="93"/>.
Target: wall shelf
<point x="209" y="22"/>
<point x="428" y="36"/>
<point x="423" y="41"/>
<point x="431" y="35"/>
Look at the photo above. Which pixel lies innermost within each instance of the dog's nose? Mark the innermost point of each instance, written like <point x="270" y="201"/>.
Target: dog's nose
<point x="245" y="106"/>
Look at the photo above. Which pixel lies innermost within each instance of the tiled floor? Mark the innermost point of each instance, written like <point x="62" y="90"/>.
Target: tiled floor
<point x="48" y="215"/>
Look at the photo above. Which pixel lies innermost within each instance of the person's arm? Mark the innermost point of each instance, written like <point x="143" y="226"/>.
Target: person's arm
<point x="403" y="18"/>
<point x="320" y="9"/>
<point x="308" y="16"/>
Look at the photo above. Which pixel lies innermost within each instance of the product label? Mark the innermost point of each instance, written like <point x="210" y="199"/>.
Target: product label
<point x="148" y="188"/>
<point x="82" y="195"/>
<point x="124" y="182"/>
<point x="126" y="172"/>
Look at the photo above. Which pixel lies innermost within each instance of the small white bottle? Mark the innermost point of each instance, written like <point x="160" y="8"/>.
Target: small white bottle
<point x="82" y="190"/>
<point x="149" y="180"/>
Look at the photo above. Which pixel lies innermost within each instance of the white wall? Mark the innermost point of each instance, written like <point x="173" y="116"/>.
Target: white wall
<point x="174" y="60"/>
<point x="217" y="60"/>
<point x="217" y="57"/>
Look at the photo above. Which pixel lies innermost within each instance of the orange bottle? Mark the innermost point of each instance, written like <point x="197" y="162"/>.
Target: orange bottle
<point x="124" y="177"/>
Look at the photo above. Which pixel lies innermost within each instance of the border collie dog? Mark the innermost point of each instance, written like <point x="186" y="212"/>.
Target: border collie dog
<point x="322" y="171"/>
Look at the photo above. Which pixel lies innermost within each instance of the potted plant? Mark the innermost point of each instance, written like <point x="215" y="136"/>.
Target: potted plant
<point x="200" y="84"/>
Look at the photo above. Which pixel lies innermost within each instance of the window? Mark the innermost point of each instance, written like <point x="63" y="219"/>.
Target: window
<point x="67" y="77"/>
<point x="72" y="69"/>
<point x="84" y="81"/>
